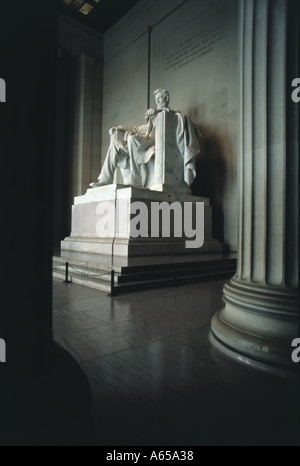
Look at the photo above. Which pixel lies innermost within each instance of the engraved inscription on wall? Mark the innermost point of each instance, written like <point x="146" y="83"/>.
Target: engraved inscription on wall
<point x="194" y="48"/>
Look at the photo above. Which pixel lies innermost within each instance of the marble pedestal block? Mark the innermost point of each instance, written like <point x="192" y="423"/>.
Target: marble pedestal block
<point x="117" y="238"/>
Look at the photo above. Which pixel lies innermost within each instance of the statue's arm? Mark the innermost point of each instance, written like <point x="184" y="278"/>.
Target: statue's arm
<point x="129" y="129"/>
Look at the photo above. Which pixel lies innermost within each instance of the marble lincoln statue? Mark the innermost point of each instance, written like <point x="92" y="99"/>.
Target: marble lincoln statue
<point x="136" y="151"/>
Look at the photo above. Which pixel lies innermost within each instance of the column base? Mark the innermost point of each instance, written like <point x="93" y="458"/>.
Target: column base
<point x="258" y="323"/>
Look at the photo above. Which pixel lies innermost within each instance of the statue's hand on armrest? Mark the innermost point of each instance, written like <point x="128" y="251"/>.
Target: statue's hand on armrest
<point x="116" y="128"/>
<point x="112" y="130"/>
<point x="150" y="113"/>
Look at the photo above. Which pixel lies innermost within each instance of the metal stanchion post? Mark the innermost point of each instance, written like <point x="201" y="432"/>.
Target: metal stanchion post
<point x="67" y="274"/>
<point x="113" y="292"/>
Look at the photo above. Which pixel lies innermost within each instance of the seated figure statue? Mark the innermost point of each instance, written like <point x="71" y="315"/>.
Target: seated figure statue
<point x="137" y="150"/>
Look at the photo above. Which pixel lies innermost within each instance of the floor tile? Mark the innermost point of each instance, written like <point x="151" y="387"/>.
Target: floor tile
<point x="157" y="380"/>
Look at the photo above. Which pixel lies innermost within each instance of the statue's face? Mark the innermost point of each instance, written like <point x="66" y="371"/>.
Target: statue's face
<point x="160" y="101"/>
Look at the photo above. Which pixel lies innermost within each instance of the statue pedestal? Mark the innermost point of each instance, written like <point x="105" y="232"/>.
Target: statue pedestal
<point x="101" y="224"/>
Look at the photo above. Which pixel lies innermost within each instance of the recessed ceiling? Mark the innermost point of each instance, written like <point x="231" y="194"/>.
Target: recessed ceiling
<point x="99" y="15"/>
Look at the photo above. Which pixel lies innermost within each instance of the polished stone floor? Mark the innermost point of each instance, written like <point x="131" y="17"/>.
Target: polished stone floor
<point x="155" y="377"/>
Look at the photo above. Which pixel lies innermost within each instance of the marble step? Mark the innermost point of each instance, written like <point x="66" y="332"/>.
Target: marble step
<point x="208" y="270"/>
<point x="143" y="277"/>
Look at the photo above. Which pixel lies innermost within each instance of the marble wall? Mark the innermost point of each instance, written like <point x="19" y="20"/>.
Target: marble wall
<point x="78" y="118"/>
<point x="191" y="49"/>
<point x="125" y="88"/>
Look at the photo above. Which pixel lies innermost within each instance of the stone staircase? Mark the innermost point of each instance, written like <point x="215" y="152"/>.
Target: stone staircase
<point x="119" y="279"/>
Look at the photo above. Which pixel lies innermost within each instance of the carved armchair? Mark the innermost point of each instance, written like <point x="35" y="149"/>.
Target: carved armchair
<point x="166" y="169"/>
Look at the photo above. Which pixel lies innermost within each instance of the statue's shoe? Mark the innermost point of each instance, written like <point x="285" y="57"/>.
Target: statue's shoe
<point x="97" y="184"/>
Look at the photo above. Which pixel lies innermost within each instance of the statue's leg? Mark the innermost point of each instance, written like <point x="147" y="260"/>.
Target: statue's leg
<point x="107" y="173"/>
<point x="134" y="142"/>
<point x="148" y="173"/>
<point x="110" y="164"/>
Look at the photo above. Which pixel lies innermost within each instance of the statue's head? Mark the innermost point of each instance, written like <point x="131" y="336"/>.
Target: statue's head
<point x="162" y="98"/>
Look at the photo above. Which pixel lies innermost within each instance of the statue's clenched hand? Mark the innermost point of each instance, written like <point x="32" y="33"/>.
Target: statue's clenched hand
<point x="112" y="130"/>
<point x="150" y="113"/>
<point x="116" y="128"/>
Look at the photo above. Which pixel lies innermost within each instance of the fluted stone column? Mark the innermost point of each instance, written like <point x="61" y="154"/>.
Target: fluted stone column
<point x="259" y="319"/>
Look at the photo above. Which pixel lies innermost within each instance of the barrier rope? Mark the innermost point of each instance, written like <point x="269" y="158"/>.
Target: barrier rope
<point x="83" y="273"/>
<point x="86" y="274"/>
<point x="113" y="291"/>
